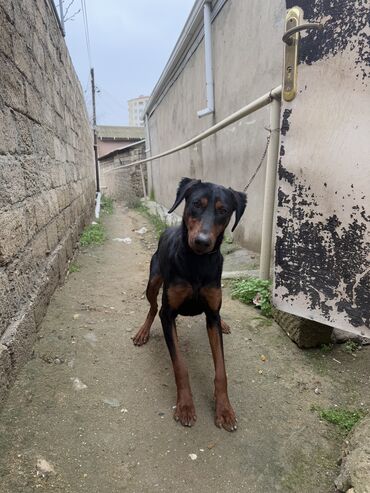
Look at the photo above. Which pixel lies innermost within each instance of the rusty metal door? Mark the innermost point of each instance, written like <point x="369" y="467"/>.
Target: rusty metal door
<point x="322" y="241"/>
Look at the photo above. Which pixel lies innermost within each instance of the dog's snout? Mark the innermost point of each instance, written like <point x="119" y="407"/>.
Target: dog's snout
<point x="203" y="240"/>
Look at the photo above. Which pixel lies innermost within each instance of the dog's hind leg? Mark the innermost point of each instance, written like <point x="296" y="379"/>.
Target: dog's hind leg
<point x="152" y="290"/>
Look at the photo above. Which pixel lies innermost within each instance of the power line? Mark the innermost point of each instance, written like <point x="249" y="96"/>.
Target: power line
<point x="86" y="28"/>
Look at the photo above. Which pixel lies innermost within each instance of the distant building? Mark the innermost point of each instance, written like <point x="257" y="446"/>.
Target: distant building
<point x="136" y="111"/>
<point x="114" y="137"/>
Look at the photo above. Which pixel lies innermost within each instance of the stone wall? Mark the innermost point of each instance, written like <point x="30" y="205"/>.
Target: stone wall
<point x="124" y="184"/>
<point x="46" y="172"/>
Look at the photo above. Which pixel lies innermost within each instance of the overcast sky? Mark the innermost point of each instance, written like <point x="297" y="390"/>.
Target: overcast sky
<point x="131" y="42"/>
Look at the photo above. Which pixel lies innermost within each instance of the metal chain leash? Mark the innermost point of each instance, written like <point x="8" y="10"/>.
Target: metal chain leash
<point x="261" y="160"/>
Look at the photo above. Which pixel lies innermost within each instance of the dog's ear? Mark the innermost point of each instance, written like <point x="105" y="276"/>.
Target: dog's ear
<point x="185" y="185"/>
<point x="240" y="202"/>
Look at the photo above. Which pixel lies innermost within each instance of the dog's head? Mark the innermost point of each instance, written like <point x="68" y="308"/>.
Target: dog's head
<point x="208" y="209"/>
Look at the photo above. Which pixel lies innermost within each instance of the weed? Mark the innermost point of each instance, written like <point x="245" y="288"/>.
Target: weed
<point x="350" y="346"/>
<point x="106" y="204"/>
<point x="343" y="418"/>
<point x="159" y="224"/>
<point x="256" y="291"/>
<point x="152" y="195"/>
<point x="326" y="348"/>
<point x="92" y="235"/>
<point x="73" y="268"/>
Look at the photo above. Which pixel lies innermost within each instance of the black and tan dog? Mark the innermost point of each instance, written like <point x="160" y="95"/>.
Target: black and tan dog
<point x="188" y="263"/>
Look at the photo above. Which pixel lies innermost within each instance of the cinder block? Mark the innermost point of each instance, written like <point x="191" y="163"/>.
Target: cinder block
<point x="24" y="133"/>
<point x="22" y="58"/>
<point x="42" y="212"/>
<point x="19" y="338"/>
<point x="305" y="333"/>
<point x="49" y="282"/>
<point x="61" y="226"/>
<point x="5" y="371"/>
<point x="7" y="30"/>
<point x="52" y="235"/>
<point x="39" y="246"/>
<point x="12" y="90"/>
<point x="62" y="261"/>
<point x="6" y="301"/>
<point x="38" y="50"/>
<point x="12" y="186"/>
<point x="13" y="234"/>
<point x="36" y="172"/>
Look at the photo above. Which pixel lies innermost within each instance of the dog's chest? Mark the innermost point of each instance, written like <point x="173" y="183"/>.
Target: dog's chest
<point x="193" y="299"/>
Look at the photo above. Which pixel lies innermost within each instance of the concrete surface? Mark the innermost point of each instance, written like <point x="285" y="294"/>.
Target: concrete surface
<point x="92" y="413"/>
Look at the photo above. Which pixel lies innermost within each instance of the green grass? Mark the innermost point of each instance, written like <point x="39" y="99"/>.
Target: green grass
<point x="73" y="268"/>
<point x="350" y="346"/>
<point x="159" y="224"/>
<point x="326" y="348"/>
<point x="92" y="235"/>
<point x="248" y="290"/>
<point x="106" y="205"/>
<point x="343" y="418"/>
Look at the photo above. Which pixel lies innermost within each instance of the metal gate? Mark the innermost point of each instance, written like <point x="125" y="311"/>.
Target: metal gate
<point x="322" y="241"/>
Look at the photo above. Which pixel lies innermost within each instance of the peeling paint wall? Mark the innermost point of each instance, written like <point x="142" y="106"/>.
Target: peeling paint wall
<point x="323" y="206"/>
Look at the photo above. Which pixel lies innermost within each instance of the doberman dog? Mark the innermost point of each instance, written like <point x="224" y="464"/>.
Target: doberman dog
<point x="188" y="262"/>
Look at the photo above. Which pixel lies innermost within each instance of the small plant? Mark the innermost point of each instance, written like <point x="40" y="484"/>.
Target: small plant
<point x="159" y="224"/>
<point x="73" y="268"/>
<point x="106" y="204"/>
<point x="256" y="291"/>
<point x="152" y="195"/>
<point x="351" y="346"/>
<point x="326" y="348"/>
<point x="92" y="235"/>
<point x="343" y="418"/>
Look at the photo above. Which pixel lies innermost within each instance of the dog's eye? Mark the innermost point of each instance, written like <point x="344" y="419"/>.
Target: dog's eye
<point x="197" y="204"/>
<point x="222" y="211"/>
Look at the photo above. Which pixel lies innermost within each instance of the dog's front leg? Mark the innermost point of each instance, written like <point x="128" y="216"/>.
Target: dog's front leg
<point x="185" y="410"/>
<point x="225" y="415"/>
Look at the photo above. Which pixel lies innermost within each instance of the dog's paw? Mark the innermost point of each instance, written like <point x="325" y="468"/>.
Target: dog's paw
<point x="141" y="337"/>
<point x="225" y="327"/>
<point x="185" y="413"/>
<point x="225" y="416"/>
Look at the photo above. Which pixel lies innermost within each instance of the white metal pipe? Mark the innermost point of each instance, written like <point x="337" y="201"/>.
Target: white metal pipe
<point x="245" y="111"/>
<point x="270" y="181"/>
<point x="97" y="205"/>
<point x="208" y="61"/>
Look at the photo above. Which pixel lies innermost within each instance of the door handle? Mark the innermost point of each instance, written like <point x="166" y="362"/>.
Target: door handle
<point x="293" y="26"/>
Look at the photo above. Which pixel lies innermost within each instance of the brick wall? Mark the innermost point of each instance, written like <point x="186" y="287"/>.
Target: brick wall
<point x="46" y="172"/>
<point x="125" y="184"/>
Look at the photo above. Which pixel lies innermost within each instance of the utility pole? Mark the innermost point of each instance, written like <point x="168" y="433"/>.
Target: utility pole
<point x="94" y="131"/>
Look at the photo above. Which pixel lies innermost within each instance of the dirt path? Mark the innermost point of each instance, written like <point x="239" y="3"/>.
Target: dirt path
<point x="117" y="433"/>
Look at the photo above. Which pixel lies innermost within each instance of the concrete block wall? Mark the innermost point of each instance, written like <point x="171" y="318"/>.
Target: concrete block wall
<point x="47" y="186"/>
<point x="125" y="184"/>
<point x="248" y="57"/>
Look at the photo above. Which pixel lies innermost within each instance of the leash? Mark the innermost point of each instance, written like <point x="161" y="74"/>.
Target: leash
<point x="261" y="160"/>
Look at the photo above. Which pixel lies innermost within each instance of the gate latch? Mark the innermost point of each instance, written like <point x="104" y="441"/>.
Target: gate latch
<point x="293" y="25"/>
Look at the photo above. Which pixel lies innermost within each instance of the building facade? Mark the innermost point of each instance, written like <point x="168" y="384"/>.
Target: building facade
<point x="116" y="137"/>
<point x="136" y="108"/>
